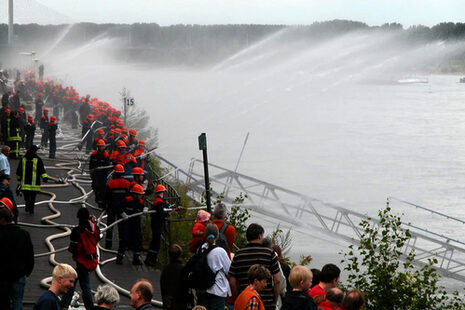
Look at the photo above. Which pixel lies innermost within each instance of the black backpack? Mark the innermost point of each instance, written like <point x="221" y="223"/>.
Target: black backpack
<point x="199" y="274"/>
<point x="222" y="241"/>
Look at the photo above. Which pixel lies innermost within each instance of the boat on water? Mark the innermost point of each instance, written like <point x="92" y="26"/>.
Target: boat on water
<point x="413" y="81"/>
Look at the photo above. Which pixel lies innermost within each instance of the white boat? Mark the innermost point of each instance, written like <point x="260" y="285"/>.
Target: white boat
<point x="413" y="81"/>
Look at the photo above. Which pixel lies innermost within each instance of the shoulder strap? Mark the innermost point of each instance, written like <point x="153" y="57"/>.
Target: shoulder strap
<point x="223" y="228"/>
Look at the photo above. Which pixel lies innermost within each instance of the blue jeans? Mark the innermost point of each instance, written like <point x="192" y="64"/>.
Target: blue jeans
<point x="84" y="282"/>
<point x="17" y="293"/>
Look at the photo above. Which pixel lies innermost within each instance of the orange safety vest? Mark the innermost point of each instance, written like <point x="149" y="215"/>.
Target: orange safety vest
<point x="243" y="299"/>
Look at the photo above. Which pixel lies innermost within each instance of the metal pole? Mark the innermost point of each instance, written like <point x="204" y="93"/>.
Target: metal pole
<point x="228" y="185"/>
<point x="203" y="147"/>
<point x="10" y="22"/>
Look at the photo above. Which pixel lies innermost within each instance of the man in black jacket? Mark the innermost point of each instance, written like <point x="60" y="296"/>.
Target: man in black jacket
<point x="16" y="257"/>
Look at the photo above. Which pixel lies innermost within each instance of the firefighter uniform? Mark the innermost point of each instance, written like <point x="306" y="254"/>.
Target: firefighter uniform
<point x="52" y="135"/>
<point x="30" y="130"/>
<point x="29" y="172"/>
<point x="99" y="158"/>
<point x="115" y="197"/>
<point x="44" y="128"/>
<point x="14" y="135"/>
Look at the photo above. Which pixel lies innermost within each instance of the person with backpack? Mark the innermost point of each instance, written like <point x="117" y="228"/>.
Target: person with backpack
<point x="217" y="261"/>
<point x="83" y="245"/>
<point x="227" y="232"/>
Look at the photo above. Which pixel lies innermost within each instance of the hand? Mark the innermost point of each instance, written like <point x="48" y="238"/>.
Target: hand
<point x="145" y="211"/>
<point x="124" y="216"/>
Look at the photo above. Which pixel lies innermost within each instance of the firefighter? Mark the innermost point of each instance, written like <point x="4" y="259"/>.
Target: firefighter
<point x="138" y="178"/>
<point x="139" y="155"/>
<point x="22" y="124"/>
<point x="13" y="134"/>
<point x="39" y="105"/>
<point x="30" y="130"/>
<point x="98" y="159"/>
<point x="131" y="227"/>
<point x="52" y="135"/>
<point x="157" y="223"/>
<point x="131" y="141"/>
<point x="4" y="123"/>
<point x="44" y="128"/>
<point x="87" y="133"/>
<point x="123" y="157"/>
<point x="99" y="137"/>
<point x="115" y="194"/>
<point x="29" y="172"/>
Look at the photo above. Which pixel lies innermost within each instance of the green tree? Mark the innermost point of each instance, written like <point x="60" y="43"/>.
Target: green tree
<point x="382" y="268"/>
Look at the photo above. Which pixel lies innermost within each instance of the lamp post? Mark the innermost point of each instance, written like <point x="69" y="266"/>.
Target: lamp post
<point x="203" y="148"/>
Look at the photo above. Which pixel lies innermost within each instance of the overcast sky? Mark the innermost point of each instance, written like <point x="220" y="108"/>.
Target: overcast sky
<point x="167" y="12"/>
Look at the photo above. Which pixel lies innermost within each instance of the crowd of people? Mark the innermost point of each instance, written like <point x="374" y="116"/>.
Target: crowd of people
<point x="216" y="275"/>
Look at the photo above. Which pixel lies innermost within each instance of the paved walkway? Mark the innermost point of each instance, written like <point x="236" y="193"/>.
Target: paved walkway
<point x="122" y="275"/>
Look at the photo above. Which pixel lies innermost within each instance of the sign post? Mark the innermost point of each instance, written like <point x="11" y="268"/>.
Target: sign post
<point x="203" y="148"/>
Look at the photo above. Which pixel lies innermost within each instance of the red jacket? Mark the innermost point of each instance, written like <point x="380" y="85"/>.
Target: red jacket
<point x="198" y="236"/>
<point x="229" y="233"/>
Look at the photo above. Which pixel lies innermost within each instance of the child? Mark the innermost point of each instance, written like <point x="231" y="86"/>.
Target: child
<point x="298" y="299"/>
<point x="249" y="298"/>
<point x="198" y="230"/>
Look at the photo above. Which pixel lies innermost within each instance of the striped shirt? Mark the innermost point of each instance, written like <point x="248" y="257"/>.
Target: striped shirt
<point x="251" y="254"/>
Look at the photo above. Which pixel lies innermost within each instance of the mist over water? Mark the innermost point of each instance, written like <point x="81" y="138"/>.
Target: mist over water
<point x="327" y="119"/>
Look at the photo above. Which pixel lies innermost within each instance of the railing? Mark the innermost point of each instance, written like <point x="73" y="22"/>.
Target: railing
<point x="305" y="212"/>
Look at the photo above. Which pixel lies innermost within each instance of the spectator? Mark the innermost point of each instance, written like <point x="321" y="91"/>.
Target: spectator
<point x="254" y="253"/>
<point x="219" y="263"/>
<point x="198" y="230"/>
<point x="335" y="296"/>
<point x="285" y="270"/>
<point x="4" y="163"/>
<point x="316" y="276"/>
<point x="29" y="172"/>
<point x="106" y="297"/>
<point x="227" y="230"/>
<point x="298" y="299"/>
<point x="19" y="260"/>
<point x="354" y="300"/>
<point x="329" y="278"/>
<point x="141" y="295"/>
<point x="84" y="239"/>
<point x="5" y="192"/>
<point x="63" y="278"/>
<point x="174" y="291"/>
<point x="258" y="277"/>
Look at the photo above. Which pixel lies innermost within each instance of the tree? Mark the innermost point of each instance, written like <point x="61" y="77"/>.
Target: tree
<point x="375" y="267"/>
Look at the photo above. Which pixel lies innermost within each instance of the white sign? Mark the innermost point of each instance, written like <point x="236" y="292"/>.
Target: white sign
<point x="129" y="101"/>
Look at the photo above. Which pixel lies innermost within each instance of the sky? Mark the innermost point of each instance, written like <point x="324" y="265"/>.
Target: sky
<point x="292" y="12"/>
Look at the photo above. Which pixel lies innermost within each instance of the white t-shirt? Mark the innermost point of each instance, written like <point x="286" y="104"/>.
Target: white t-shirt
<point x="218" y="261"/>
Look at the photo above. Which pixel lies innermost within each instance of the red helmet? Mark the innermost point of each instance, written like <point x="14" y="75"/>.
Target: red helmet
<point x="125" y="129"/>
<point x="100" y="131"/>
<point x="118" y="130"/>
<point x="160" y="188"/>
<point x="118" y="168"/>
<point x="133" y="132"/>
<point x="45" y="110"/>
<point x="100" y="142"/>
<point x="90" y="116"/>
<point x="138" y="189"/>
<point x="7" y="203"/>
<point x="141" y="143"/>
<point x="40" y="95"/>
<point x="21" y="109"/>
<point x="53" y="118"/>
<point x="30" y="117"/>
<point x="137" y="170"/>
<point x="120" y="143"/>
<point x="7" y="111"/>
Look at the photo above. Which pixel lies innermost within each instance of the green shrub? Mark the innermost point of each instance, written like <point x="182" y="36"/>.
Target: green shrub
<point x="375" y="267"/>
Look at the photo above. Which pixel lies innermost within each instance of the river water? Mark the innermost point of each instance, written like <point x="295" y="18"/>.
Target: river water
<point x="320" y="127"/>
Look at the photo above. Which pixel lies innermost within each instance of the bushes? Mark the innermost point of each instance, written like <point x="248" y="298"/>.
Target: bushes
<point x="375" y="267"/>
